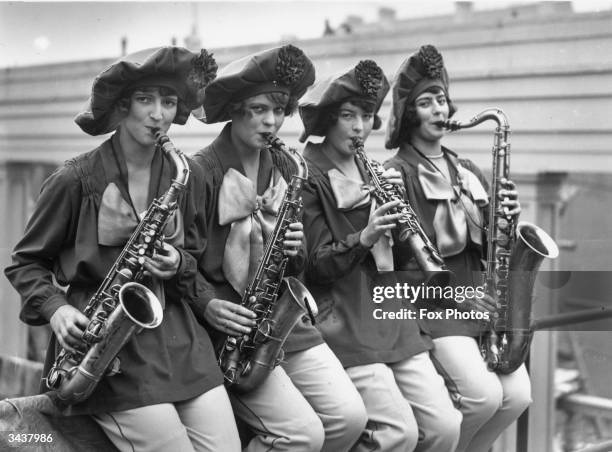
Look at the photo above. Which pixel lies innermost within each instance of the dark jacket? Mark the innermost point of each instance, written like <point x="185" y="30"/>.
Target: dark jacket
<point x="170" y="363"/>
<point x="341" y="274"/>
<point x="215" y="160"/>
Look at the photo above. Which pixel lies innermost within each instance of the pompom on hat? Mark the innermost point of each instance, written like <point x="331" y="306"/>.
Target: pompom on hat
<point x="283" y="69"/>
<point x="366" y="81"/>
<point x="184" y="71"/>
<point x="422" y="70"/>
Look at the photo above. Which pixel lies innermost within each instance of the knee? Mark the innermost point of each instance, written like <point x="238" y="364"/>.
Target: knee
<point x="308" y="436"/>
<point x="443" y="430"/>
<point x="480" y="403"/>
<point x="400" y="436"/>
<point x="517" y="401"/>
<point x="351" y="420"/>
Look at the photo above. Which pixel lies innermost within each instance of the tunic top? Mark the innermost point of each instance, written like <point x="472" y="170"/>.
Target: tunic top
<point x="466" y="260"/>
<point x="341" y="274"/>
<point x="216" y="159"/>
<point x="170" y="363"/>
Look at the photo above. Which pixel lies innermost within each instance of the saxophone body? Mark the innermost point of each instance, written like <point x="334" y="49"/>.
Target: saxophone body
<point x="278" y="302"/>
<point x="121" y="306"/>
<point x="515" y="252"/>
<point x="409" y="228"/>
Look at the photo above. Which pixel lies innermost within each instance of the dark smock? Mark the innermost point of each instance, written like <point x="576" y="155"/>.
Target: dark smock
<point x="170" y="363"/>
<point x="467" y="265"/>
<point x="340" y="273"/>
<point x="215" y="160"/>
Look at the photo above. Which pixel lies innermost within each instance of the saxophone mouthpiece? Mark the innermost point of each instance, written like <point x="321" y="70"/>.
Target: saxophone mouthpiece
<point x="449" y="125"/>
<point x="356" y="142"/>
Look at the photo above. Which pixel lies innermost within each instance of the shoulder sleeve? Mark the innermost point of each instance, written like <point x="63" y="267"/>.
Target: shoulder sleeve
<point x="328" y="260"/>
<point x="50" y="228"/>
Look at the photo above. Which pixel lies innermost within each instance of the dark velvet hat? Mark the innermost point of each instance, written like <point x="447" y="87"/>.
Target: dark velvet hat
<point x="186" y="72"/>
<point x="365" y="82"/>
<point x="422" y="70"/>
<point x="283" y="69"/>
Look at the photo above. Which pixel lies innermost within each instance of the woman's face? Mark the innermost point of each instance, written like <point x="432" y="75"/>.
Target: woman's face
<point x="261" y="115"/>
<point x="149" y="110"/>
<point x="353" y="121"/>
<point x="431" y="107"/>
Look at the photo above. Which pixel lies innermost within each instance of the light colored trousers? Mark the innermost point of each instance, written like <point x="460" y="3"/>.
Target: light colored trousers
<point x="307" y="404"/>
<point x="408" y="406"/>
<point x="321" y="379"/>
<point x="204" y="423"/>
<point x="489" y="402"/>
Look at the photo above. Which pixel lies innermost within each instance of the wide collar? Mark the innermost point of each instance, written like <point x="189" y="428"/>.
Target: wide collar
<point x="408" y="153"/>
<point x="228" y="158"/>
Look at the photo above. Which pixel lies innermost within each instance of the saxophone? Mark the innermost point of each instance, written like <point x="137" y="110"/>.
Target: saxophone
<point x="279" y="302"/>
<point x="409" y="228"/>
<point x="121" y="306"/>
<point x="514" y="255"/>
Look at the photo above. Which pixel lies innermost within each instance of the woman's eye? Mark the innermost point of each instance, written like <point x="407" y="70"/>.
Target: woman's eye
<point x="442" y="101"/>
<point x="346" y="116"/>
<point x="257" y="110"/>
<point x="368" y="117"/>
<point x="170" y="102"/>
<point x="143" y="99"/>
<point x="278" y="111"/>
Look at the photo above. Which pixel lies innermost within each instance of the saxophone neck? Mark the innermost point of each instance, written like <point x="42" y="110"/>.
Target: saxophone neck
<point x="373" y="168"/>
<point x="490" y="114"/>
<point x="275" y="144"/>
<point x="178" y="158"/>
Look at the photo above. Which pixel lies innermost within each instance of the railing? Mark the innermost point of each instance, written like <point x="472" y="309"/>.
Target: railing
<point x="597" y="407"/>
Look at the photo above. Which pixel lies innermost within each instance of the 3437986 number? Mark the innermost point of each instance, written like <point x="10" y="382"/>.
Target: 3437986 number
<point x="30" y="437"/>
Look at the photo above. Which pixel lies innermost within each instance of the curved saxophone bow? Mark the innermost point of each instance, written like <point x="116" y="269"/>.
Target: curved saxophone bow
<point x="514" y="255"/>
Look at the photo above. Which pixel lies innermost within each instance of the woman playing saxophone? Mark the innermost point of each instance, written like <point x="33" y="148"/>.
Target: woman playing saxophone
<point x="350" y="219"/>
<point x="305" y="403"/>
<point x="450" y="195"/>
<point x="166" y="392"/>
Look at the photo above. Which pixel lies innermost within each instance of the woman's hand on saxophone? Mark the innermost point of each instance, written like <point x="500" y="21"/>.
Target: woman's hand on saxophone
<point x="164" y="263"/>
<point x="509" y="198"/>
<point x="486" y="303"/>
<point x="394" y="177"/>
<point x="229" y="318"/>
<point x="380" y="222"/>
<point x="293" y="239"/>
<point x="68" y="325"/>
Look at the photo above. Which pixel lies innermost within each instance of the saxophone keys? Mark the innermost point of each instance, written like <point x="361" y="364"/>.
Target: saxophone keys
<point x="502" y="223"/>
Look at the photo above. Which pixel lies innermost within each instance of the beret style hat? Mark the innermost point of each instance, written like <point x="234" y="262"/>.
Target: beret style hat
<point x="422" y="70"/>
<point x="186" y="72"/>
<point x="283" y="69"/>
<point x="366" y="81"/>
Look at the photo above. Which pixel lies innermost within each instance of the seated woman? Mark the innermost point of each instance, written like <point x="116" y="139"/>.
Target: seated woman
<point x="348" y="239"/>
<point x="168" y="392"/>
<point x="450" y="196"/>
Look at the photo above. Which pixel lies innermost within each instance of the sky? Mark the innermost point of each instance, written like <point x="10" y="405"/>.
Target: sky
<point x="46" y="32"/>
